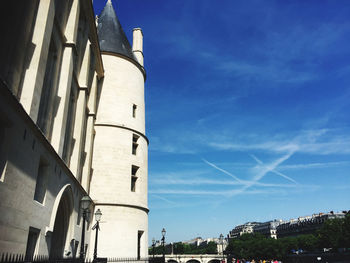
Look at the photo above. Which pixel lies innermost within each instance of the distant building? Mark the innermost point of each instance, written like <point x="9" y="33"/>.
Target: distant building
<point x="72" y="125"/>
<point x="195" y="241"/>
<point x="268" y="229"/>
<point x="200" y="242"/>
<point x="246" y="228"/>
<point x="305" y="225"/>
<point x="293" y="227"/>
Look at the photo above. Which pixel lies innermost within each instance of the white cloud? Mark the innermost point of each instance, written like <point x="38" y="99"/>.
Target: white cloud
<point x="319" y="142"/>
<point x="226" y="193"/>
<point x="203" y="181"/>
<point x="164" y="199"/>
<point x="313" y="165"/>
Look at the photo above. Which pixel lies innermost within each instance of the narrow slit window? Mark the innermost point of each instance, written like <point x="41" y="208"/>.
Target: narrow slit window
<point x="134" y="143"/>
<point x="139" y="236"/>
<point x="133" y="177"/>
<point x="32" y="241"/>
<point x="134" y="107"/>
<point x="3" y="153"/>
<point x="41" y="182"/>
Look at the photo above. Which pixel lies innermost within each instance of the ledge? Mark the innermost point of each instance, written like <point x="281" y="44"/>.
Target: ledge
<point x="141" y="68"/>
<point x="123" y="127"/>
<point x="123" y="205"/>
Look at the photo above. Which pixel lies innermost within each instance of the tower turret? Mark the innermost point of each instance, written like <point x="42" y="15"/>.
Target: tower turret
<point x="137" y="45"/>
<point x="120" y="166"/>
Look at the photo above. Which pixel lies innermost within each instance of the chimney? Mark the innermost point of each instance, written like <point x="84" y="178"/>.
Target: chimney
<point x="137" y="44"/>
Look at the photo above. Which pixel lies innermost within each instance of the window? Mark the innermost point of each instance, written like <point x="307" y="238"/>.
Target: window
<point x="41" y="182"/>
<point x="134" y="143"/>
<point x="81" y="40"/>
<point x="68" y="136"/>
<point x="5" y="130"/>
<point x="61" y="12"/>
<point x="83" y="153"/>
<point x="139" y="235"/>
<point x="134" y="110"/>
<point x="3" y="153"/>
<point x="31" y="242"/>
<point x="48" y="93"/>
<point x="133" y="177"/>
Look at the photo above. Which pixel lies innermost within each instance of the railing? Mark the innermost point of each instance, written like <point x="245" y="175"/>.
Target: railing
<point x="135" y="260"/>
<point x="19" y="258"/>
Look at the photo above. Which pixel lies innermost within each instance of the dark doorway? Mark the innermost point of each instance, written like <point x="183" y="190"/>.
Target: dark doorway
<point x="139" y="235"/>
<point x="60" y="230"/>
<point x="32" y="240"/>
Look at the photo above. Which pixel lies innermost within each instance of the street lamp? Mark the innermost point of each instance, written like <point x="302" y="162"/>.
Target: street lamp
<point x="163" y="243"/>
<point x="153" y="245"/>
<point x="98" y="215"/>
<point x="222" y="245"/>
<point x="84" y="204"/>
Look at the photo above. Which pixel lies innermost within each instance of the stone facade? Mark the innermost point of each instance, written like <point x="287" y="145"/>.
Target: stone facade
<point x="268" y="229"/>
<point x="306" y="224"/>
<point x="239" y="230"/>
<point x="72" y="123"/>
<point x="293" y="227"/>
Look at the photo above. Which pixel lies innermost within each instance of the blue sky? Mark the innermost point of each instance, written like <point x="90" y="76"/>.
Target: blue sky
<point x="247" y="110"/>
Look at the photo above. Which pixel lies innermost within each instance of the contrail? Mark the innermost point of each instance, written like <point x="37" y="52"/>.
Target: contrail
<point x="222" y="170"/>
<point x="263" y="172"/>
<point x="164" y="199"/>
<point x="273" y="171"/>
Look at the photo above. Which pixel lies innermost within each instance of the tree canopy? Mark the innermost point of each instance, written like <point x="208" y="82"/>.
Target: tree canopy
<point x="183" y="248"/>
<point x="335" y="233"/>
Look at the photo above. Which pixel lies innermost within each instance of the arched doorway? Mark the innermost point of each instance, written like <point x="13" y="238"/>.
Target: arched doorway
<point x="193" y="261"/>
<point x="61" y="226"/>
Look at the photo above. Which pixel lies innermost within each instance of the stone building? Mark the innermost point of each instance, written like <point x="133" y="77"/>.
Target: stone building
<point x="72" y="124"/>
<point x="239" y="230"/>
<point x="306" y="224"/>
<point x="267" y="229"/>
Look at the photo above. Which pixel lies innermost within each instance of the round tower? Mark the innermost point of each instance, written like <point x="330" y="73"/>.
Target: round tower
<point x="119" y="178"/>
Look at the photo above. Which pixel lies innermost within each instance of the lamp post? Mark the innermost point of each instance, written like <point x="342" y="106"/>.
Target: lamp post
<point x="153" y="245"/>
<point x="163" y="243"/>
<point x="222" y="246"/>
<point x="98" y="215"/>
<point x="84" y="205"/>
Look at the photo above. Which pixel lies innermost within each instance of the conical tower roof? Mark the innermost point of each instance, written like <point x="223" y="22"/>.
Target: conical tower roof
<point x="111" y="34"/>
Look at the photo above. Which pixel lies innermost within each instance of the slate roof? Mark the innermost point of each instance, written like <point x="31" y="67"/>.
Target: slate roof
<point x="111" y="34"/>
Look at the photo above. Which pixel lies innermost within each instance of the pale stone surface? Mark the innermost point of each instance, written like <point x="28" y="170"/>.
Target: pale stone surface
<point x="72" y="23"/>
<point x="78" y="134"/>
<point x="112" y="161"/>
<point x="137" y="45"/>
<point x="101" y="159"/>
<point x="18" y="209"/>
<point x="111" y="181"/>
<point x="86" y="173"/>
<point x="63" y="93"/>
<point x="123" y="86"/>
<point x="119" y="232"/>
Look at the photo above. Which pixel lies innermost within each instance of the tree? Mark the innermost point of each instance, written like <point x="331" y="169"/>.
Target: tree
<point x="346" y="231"/>
<point x="330" y="235"/>
<point x="211" y="248"/>
<point x="307" y="242"/>
<point x="179" y="248"/>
